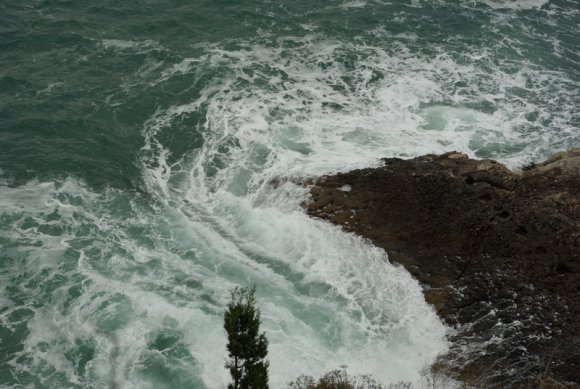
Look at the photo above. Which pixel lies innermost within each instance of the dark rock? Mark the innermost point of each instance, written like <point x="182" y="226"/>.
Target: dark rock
<point x="498" y="251"/>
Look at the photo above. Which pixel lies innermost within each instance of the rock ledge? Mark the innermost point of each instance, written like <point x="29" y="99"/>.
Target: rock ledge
<point x="498" y="253"/>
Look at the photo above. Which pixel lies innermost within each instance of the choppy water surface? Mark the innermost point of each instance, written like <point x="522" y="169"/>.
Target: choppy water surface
<point x="144" y="147"/>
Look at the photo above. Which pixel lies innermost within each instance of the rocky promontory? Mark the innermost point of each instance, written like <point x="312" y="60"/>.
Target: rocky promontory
<point x="497" y="251"/>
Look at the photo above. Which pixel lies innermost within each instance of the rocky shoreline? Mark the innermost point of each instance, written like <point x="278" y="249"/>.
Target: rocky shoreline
<point x="497" y="251"/>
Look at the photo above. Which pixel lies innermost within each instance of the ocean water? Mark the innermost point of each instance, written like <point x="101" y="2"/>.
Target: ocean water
<point x="148" y="154"/>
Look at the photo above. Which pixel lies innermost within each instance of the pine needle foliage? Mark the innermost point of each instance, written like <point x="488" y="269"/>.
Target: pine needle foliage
<point x="340" y="379"/>
<point x="247" y="347"/>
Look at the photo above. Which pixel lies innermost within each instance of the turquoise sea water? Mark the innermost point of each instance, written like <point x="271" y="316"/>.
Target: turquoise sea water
<point x="144" y="152"/>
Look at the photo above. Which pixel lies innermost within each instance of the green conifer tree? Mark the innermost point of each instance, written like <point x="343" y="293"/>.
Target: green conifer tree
<point x="247" y="347"/>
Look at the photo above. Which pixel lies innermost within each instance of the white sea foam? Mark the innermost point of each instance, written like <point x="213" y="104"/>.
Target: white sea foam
<point x="378" y="108"/>
<point x="327" y="297"/>
<point x="120" y="44"/>
<point x="354" y="4"/>
<point x="311" y="110"/>
<point x="515" y="4"/>
<point x="143" y="281"/>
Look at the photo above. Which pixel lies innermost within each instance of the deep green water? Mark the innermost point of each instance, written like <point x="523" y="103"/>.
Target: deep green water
<point x="138" y="145"/>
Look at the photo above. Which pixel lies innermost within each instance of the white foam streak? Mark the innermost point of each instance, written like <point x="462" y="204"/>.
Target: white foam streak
<point x="328" y="298"/>
<point x="138" y="283"/>
<point x="515" y="4"/>
<point x="316" y="108"/>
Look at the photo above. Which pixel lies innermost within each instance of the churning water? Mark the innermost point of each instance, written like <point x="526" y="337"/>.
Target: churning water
<point x="148" y="147"/>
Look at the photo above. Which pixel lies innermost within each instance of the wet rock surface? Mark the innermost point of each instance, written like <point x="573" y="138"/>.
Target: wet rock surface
<point x="498" y="253"/>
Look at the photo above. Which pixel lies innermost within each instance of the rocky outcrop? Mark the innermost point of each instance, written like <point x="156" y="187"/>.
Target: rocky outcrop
<point x="498" y="253"/>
